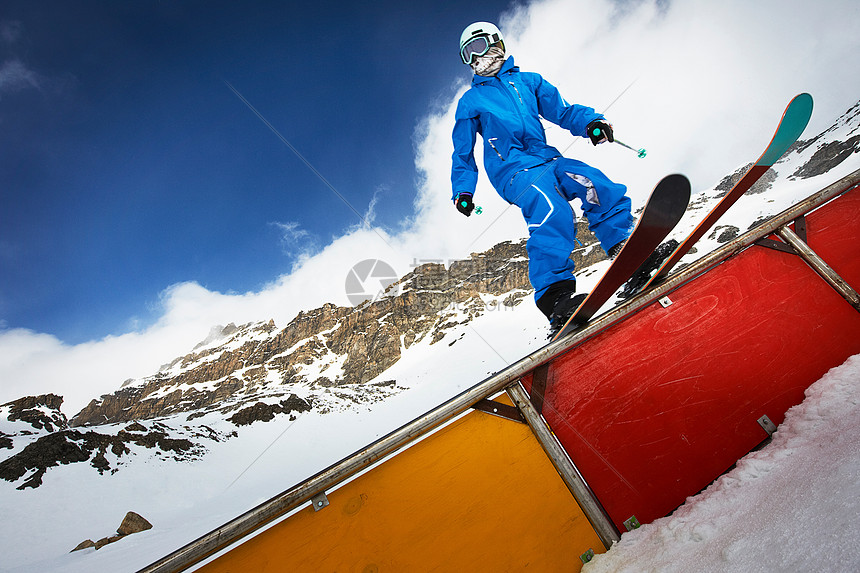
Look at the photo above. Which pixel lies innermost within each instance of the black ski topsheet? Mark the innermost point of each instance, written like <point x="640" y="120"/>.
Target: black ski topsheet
<point x="791" y="125"/>
<point x="665" y="207"/>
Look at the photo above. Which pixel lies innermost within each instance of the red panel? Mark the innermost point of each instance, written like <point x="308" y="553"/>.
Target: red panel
<point x="833" y="234"/>
<point x="655" y="408"/>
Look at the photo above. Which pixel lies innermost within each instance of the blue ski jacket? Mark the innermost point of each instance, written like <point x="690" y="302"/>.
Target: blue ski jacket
<point x="506" y="109"/>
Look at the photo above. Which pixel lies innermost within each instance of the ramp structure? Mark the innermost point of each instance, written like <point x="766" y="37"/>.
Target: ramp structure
<point x="543" y="464"/>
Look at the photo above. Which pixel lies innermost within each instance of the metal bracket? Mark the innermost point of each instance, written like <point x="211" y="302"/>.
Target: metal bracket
<point x="775" y="245"/>
<point x="799" y="230"/>
<point x="587" y="556"/>
<point x="666" y="302"/>
<point x="539" y="376"/>
<point x="498" y="409"/>
<point x="632" y="523"/>
<point x="767" y="425"/>
<point x="319" y="501"/>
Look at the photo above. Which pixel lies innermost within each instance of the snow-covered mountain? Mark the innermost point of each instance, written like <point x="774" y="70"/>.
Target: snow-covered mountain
<point x="328" y="358"/>
<point x="256" y="408"/>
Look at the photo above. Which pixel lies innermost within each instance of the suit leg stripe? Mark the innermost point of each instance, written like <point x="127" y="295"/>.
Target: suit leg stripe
<point x="551" y="209"/>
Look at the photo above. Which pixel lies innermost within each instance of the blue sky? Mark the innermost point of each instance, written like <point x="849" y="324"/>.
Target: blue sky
<point x="128" y="165"/>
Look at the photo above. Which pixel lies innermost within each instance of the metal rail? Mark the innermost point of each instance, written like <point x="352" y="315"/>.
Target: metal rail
<point x="821" y="267"/>
<point x="574" y="481"/>
<point x="302" y="493"/>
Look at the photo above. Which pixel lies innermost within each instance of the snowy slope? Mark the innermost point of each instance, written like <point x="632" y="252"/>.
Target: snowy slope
<point x="185" y="499"/>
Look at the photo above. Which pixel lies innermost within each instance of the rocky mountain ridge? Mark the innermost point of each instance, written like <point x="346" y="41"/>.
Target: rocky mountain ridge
<point x="327" y="355"/>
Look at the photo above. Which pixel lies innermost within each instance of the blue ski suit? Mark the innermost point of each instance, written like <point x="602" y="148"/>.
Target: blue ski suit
<point x="527" y="172"/>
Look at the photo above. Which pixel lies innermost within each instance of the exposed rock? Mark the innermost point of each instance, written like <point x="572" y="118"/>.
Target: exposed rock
<point x="133" y="523"/>
<point x="763" y="184"/>
<point x="135" y="427"/>
<point x="827" y="157"/>
<point x="85" y="544"/>
<point x="41" y="412"/>
<point x="47" y="451"/>
<point x="72" y="446"/>
<point x="724" y="233"/>
<point x="105" y="540"/>
<point x="150" y="401"/>
<point x="266" y="412"/>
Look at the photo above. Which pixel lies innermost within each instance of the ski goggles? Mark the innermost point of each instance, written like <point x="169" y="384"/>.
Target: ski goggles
<point x="476" y="47"/>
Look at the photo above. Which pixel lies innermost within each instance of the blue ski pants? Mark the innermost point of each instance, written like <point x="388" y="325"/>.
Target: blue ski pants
<point x="543" y="194"/>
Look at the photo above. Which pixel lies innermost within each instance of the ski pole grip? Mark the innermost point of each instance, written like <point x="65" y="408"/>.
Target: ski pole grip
<point x="478" y="209"/>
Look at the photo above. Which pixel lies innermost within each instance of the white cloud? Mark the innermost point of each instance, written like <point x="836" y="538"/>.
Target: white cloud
<point x="296" y="242"/>
<point x="292" y="232"/>
<point x="16" y="76"/>
<point x="369" y="217"/>
<point x="710" y="80"/>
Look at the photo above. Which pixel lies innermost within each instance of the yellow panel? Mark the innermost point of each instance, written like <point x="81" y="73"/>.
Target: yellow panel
<point x="478" y="495"/>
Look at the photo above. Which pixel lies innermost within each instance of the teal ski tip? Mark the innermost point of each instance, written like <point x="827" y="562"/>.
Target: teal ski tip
<point x="794" y="121"/>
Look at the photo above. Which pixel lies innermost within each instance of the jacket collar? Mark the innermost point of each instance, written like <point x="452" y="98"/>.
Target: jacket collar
<point x="507" y="67"/>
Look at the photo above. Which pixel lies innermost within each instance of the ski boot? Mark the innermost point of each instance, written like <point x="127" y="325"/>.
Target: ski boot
<point x="643" y="274"/>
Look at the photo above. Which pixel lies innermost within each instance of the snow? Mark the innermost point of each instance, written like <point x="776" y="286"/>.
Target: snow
<point x="791" y="506"/>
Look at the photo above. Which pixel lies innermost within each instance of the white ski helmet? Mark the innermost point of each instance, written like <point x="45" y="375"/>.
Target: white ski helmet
<point x="477" y="38"/>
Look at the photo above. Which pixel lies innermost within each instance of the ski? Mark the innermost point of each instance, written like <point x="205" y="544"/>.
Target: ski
<point x="793" y="122"/>
<point x="665" y="207"/>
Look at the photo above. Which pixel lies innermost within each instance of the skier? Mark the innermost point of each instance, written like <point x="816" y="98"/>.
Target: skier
<point x="505" y="105"/>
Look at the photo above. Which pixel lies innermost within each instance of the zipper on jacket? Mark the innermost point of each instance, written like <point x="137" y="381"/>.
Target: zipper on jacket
<point x="490" y="141"/>
<point x="513" y="100"/>
<point x="513" y="85"/>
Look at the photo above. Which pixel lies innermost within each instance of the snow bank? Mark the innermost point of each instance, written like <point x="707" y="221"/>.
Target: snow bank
<point x="792" y="506"/>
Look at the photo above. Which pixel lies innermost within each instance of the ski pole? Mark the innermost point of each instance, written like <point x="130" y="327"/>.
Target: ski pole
<point x="639" y="152"/>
